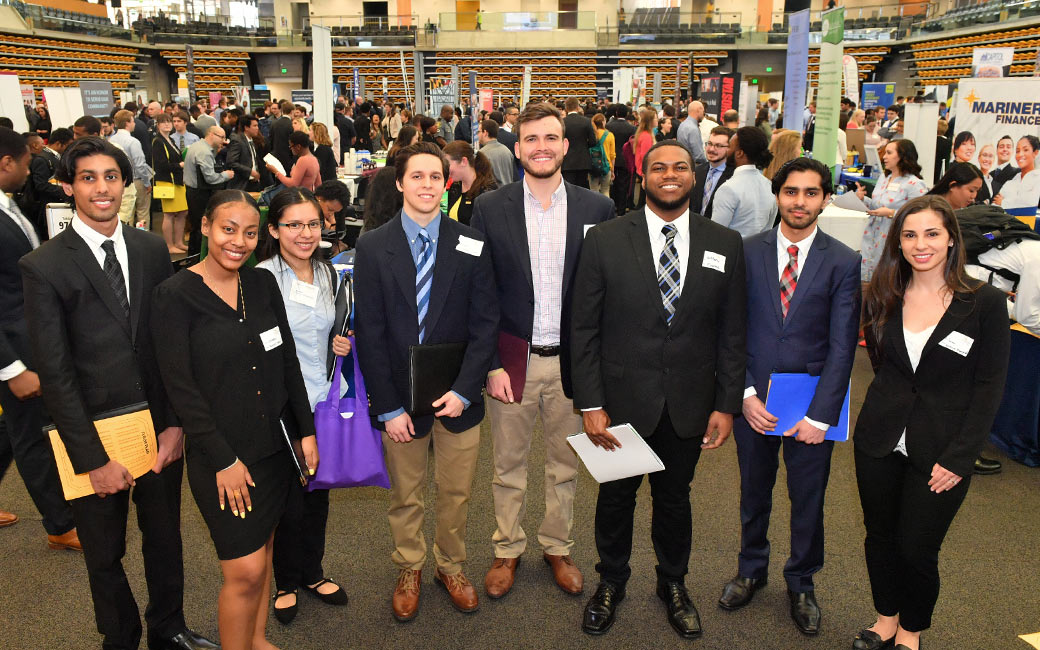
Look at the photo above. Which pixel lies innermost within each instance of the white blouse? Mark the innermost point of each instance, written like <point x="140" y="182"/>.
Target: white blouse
<point x="914" y="347"/>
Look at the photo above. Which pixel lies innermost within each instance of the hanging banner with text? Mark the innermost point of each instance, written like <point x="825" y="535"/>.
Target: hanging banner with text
<point x="877" y="94"/>
<point x="797" y="71"/>
<point x="442" y="93"/>
<point x="828" y="94"/>
<point x="189" y="62"/>
<point x="97" y="97"/>
<point x="991" y="61"/>
<point x="487" y="102"/>
<point x="525" y="88"/>
<point x="719" y="94"/>
<point x="28" y="95"/>
<point x="851" y="70"/>
<point x="474" y="111"/>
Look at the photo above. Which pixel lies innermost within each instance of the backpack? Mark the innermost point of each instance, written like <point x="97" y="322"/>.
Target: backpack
<point x="987" y="227"/>
<point x="600" y="162"/>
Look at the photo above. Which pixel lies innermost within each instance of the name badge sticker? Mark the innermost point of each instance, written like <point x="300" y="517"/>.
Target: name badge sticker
<point x="714" y="261"/>
<point x="894" y="187"/>
<point x="470" y="246"/>
<point x="271" y="339"/>
<point x="957" y="342"/>
<point x="303" y="293"/>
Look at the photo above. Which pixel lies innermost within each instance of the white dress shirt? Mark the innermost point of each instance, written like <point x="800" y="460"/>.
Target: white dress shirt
<point x="914" y="348"/>
<point x="16" y="367"/>
<point x="1021" y="192"/>
<point x="547" y="242"/>
<point x="94" y="240"/>
<point x="654" y="224"/>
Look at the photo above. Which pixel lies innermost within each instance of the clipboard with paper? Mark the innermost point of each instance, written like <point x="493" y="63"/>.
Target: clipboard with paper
<point x="633" y="458"/>
<point x="789" y="397"/>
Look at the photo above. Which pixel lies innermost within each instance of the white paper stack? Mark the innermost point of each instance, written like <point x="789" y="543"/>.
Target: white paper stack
<point x="633" y="458"/>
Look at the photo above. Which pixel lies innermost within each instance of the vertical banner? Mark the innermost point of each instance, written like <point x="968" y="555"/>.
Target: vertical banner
<point x="474" y="110"/>
<point x="455" y="88"/>
<point x="719" y="94"/>
<point x="189" y="62"/>
<point x="729" y="96"/>
<point x="658" y="88"/>
<point x="742" y="105"/>
<point x="992" y="61"/>
<point x="638" y="86"/>
<point x="241" y="94"/>
<point x="487" y="101"/>
<point x="321" y="67"/>
<point x="828" y="97"/>
<point x="96" y="97"/>
<point x="851" y="70"/>
<point x="988" y="111"/>
<point x="797" y="71"/>
<point x="678" y="82"/>
<point x="420" y="82"/>
<point x="28" y="95"/>
<point x="877" y="94"/>
<point x="356" y="86"/>
<point x="404" y="80"/>
<point x="622" y="85"/>
<point x="525" y="88"/>
<point x="442" y="93"/>
<point x="919" y="127"/>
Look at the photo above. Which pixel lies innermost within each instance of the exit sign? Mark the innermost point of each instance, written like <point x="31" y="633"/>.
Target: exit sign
<point x="769" y="68"/>
<point x="285" y="70"/>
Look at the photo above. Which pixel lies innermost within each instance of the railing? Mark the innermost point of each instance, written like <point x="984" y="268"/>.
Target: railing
<point x="516" y="21"/>
<point x="366" y="22"/>
<point x="60" y="20"/>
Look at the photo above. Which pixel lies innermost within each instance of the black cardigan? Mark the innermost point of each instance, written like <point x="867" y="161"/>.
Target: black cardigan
<point x="166" y="160"/>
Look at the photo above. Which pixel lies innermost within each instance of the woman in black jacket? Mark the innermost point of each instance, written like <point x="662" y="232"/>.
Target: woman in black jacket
<point x="43" y="124"/>
<point x="169" y="177"/>
<point x="939" y="343"/>
<point x="323" y="152"/>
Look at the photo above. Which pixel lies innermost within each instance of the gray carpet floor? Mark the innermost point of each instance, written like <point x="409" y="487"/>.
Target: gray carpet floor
<point x="990" y="568"/>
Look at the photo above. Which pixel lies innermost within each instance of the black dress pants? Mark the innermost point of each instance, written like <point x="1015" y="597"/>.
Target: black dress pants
<point x="621" y="190"/>
<point x="671" y="522"/>
<point x="579" y="177"/>
<point x="299" y="540"/>
<point x="101" y="525"/>
<point x="197" y="200"/>
<point x="906" y="523"/>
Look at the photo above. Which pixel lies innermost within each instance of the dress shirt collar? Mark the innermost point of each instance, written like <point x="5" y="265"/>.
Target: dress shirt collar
<point x="557" y="194"/>
<point x="746" y="169"/>
<point x="721" y="166"/>
<point x="93" y="238"/>
<point x="5" y="203"/>
<point x="411" y="230"/>
<point x="53" y="152"/>
<point x="654" y="224"/>
<point x="803" y="246"/>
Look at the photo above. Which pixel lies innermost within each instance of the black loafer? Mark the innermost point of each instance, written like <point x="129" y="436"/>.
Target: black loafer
<point x="870" y="640"/>
<point x="338" y="597"/>
<point x="985" y="465"/>
<point x="183" y="640"/>
<point x="739" y="592"/>
<point x="285" y="615"/>
<point x="805" y="612"/>
<point x="682" y="615"/>
<point x="601" y="609"/>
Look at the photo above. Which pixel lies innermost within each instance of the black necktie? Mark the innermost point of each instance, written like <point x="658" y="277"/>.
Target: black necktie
<point x="115" y="275"/>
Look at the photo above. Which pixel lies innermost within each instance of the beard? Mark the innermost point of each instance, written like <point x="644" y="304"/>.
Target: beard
<point x="658" y="202"/>
<point x="800" y="223"/>
<point x="543" y="174"/>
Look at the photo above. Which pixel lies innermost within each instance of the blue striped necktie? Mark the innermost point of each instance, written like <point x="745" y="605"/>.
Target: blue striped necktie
<point x="423" y="280"/>
<point x="668" y="271"/>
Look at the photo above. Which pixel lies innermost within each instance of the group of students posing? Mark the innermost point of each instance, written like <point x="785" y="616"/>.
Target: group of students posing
<point x="659" y="318"/>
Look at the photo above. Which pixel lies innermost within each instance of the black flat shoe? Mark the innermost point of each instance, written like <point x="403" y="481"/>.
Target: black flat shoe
<point x="870" y="640"/>
<point x="338" y="597"/>
<point x="805" y="612"/>
<point x="285" y="615"/>
<point x="985" y="466"/>
<point x="739" y="591"/>
<point x="682" y="615"/>
<point x="183" y="640"/>
<point x="601" y="609"/>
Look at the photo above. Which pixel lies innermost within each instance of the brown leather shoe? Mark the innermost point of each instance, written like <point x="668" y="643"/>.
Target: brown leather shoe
<point x="406" y="595"/>
<point x="463" y="595"/>
<point x="565" y="572"/>
<point x="69" y="541"/>
<point x="500" y="577"/>
<point x="7" y="518"/>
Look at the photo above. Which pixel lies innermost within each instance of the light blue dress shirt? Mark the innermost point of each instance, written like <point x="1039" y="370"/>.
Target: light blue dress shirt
<point x="745" y="202"/>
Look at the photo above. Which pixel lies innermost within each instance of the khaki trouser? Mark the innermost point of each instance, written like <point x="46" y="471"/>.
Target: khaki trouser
<point x="512" y="428"/>
<point x="456" y="460"/>
<point x="143" y="205"/>
<point x="127" y="206"/>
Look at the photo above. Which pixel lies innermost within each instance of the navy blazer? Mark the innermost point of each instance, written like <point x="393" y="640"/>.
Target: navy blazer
<point x="500" y="216"/>
<point x="819" y="335"/>
<point x="463" y="308"/>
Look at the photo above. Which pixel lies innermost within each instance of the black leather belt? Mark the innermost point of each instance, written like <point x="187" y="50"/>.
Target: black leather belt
<point x="545" y="350"/>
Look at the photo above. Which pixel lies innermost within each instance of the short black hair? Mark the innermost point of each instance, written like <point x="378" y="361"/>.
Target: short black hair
<point x="300" y="138"/>
<point x="12" y="143"/>
<point x="333" y="191"/>
<point x="365" y="107"/>
<point x="223" y="197"/>
<point x="664" y="143"/>
<point x="6" y="123"/>
<point x="498" y="117"/>
<point x="61" y="135"/>
<point x="90" y="124"/>
<point x="803" y="165"/>
<point x="89" y="146"/>
<point x="245" y="121"/>
<point x="490" y="127"/>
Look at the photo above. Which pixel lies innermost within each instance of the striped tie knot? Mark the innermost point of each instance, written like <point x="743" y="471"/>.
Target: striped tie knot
<point x="669" y="231"/>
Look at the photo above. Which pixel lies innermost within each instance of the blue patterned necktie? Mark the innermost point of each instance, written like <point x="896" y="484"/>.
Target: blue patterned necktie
<point x="423" y="280"/>
<point x="668" y="271"/>
<point x="114" y="273"/>
<point x="709" y="185"/>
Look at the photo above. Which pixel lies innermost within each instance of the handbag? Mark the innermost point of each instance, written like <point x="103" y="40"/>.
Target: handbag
<point x="350" y="448"/>
<point x="162" y="190"/>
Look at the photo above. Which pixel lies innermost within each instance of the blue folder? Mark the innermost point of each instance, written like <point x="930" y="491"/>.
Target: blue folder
<point x="790" y="394"/>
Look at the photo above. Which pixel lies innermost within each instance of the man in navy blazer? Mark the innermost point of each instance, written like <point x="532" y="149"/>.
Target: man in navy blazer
<point x="422" y="278"/>
<point x="804" y="308"/>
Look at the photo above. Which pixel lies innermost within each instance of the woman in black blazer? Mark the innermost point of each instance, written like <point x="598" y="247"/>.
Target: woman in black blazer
<point x="169" y="172"/>
<point x="939" y="343"/>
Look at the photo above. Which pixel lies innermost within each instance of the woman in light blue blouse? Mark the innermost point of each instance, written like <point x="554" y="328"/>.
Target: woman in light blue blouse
<point x="901" y="183"/>
<point x="309" y="290"/>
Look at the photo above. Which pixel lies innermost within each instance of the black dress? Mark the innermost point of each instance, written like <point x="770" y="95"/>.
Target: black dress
<point x="230" y="379"/>
<point x="326" y="162"/>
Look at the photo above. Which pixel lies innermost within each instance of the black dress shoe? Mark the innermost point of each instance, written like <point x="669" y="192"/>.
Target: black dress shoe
<point x="338" y="597"/>
<point x="285" y="615"/>
<point x="183" y="640"/>
<point x="601" y="609"/>
<point x="870" y="640"/>
<point x="739" y="591"/>
<point x="682" y="615"/>
<point x="985" y="465"/>
<point x="805" y="612"/>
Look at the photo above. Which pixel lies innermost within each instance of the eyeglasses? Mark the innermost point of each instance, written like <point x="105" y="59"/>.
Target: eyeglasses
<point x="715" y="145"/>
<point x="296" y="226"/>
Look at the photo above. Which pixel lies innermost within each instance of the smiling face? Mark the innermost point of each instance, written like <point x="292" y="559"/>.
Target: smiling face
<point x="232" y="231"/>
<point x="97" y="189"/>
<point x="965" y="151"/>
<point x="987" y="157"/>
<point x="298" y="231"/>
<point x="422" y="185"/>
<point x="669" y="178"/>
<point x="924" y="241"/>
<point x="1005" y="147"/>
<point x="716" y="148"/>
<point x="541" y="147"/>
<point x="1025" y="156"/>
<point x="800" y="201"/>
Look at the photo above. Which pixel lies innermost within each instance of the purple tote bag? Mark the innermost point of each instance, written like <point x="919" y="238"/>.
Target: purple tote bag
<point x="350" y="448"/>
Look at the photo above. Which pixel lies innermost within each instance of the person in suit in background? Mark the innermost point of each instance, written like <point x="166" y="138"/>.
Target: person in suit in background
<point x="657" y="341"/>
<point x="939" y="343"/>
<point x="425" y="279"/>
<point x="88" y="314"/>
<point x="746" y="203"/>
<point x="281" y="127"/>
<point x="242" y="156"/>
<point x="1005" y="169"/>
<point x="577" y="161"/>
<point x="20" y="400"/>
<point x="804" y="287"/>
<point x="534" y="230"/>
<point x="363" y="128"/>
<point x="618" y="124"/>
<point x="506" y="137"/>
<point x="710" y="175"/>
<point x="38" y="190"/>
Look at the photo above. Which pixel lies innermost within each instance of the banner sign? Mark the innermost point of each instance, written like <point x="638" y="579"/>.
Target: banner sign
<point x="991" y="61"/>
<point x="719" y="94"/>
<point x="189" y="60"/>
<point x="356" y="88"/>
<point x="851" y="69"/>
<point x="828" y="97"/>
<point x="260" y="96"/>
<point x="28" y="95"/>
<point x="442" y="93"/>
<point x="877" y="94"/>
<point x="241" y="94"/>
<point x="97" y="97"/>
<point x="525" y="91"/>
<point x="474" y="110"/>
<point x="305" y="95"/>
<point x="797" y="70"/>
<point x="487" y="102"/>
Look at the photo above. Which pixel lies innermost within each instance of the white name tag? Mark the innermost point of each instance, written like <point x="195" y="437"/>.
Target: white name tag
<point x="714" y="261"/>
<point x="303" y="293"/>
<point x="894" y="187"/>
<point x="586" y="228"/>
<point x="470" y="246"/>
<point x="271" y="339"/>
<point x="957" y="342"/>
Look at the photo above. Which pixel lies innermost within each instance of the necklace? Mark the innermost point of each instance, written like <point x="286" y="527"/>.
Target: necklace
<point x="238" y="280"/>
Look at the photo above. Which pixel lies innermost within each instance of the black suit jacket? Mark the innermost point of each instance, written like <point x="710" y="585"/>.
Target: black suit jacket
<point x="697" y="193"/>
<point x="279" y="143"/>
<point x="240" y="160"/>
<point x="628" y="359"/>
<point x="363" y="133"/>
<point x="39" y="191"/>
<point x="463" y="308"/>
<point x="143" y="132"/>
<point x="947" y="406"/>
<point x="500" y="216"/>
<point x="579" y="132"/>
<point x="1002" y="176"/>
<point x="622" y="130"/>
<point x="14" y="342"/>
<point x="89" y="357"/>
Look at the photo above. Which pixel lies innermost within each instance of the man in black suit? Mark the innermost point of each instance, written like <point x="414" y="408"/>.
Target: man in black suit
<point x="1005" y="170"/>
<point x="535" y="230"/>
<point x="713" y="173"/>
<point x="363" y="128"/>
<point x="281" y="127"/>
<point x="346" y="127"/>
<point x="87" y="308"/>
<point x="20" y="439"/>
<point x="38" y="190"/>
<point x="618" y="124"/>
<point x="658" y="342"/>
<point x="241" y="156"/>
<point x="425" y="279"/>
<point x="581" y="135"/>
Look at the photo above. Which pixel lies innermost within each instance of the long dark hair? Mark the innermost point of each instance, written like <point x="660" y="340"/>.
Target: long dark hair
<point x="485" y="180"/>
<point x="959" y="173"/>
<point x="270" y="247"/>
<point x="888" y="285"/>
<point x="908" y="165"/>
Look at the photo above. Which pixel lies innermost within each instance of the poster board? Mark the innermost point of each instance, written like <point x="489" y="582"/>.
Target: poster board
<point x="11" y="103"/>
<point x="65" y="105"/>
